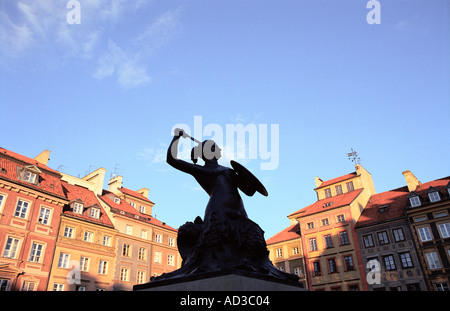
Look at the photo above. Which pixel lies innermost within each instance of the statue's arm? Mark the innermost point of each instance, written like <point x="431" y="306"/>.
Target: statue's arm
<point x="172" y="160"/>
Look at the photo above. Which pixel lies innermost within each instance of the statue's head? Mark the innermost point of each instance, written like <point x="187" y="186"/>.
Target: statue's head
<point x="208" y="151"/>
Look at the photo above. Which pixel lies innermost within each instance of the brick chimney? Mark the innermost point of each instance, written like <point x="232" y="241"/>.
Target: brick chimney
<point x="115" y="184"/>
<point x="43" y="157"/>
<point x="144" y="192"/>
<point x="411" y="180"/>
<point x="318" y="181"/>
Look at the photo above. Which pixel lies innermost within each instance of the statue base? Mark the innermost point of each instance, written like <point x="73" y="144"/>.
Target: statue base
<point x="227" y="280"/>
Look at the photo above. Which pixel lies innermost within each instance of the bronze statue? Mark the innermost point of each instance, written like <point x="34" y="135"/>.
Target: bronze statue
<point x="226" y="239"/>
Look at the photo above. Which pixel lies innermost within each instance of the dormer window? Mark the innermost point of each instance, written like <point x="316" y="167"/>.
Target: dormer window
<point x="30" y="177"/>
<point x="95" y="213"/>
<point x="29" y="174"/>
<point x="77" y="208"/>
<point x="434" y="196"/>
<point x="384" y="208"/>
<point x="116" y="200"/>
<point x="414" y="200"/>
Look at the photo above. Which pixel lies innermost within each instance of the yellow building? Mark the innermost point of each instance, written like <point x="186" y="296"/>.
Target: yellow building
<point x="285" y="252"/>
<point x="84" y="255"/>
<point x="145" y="246"/>
<point x="330" y="242"/>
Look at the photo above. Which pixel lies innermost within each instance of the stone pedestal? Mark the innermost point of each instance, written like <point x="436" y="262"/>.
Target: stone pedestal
<point x="221" y="281"/>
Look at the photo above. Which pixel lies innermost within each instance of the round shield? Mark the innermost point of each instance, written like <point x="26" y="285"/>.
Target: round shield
<point x="246" y="181"/>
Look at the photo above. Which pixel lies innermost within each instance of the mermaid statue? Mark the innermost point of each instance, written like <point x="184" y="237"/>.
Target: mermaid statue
<point x="225" y="239"/>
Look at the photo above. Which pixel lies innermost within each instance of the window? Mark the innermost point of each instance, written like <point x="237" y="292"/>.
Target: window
<point x="116" y="200"/>
<point x="2" y="201"/>
<point x="398" y="234"/>
<point x="144" y="234"/>
<point x="295" y="250"/>
<point x="171" y="241"/>
<point x="170" y="260"/>
<point x="344" y="237"/>
<point x="445" y="230"/>
<point x="332" y="266"/>
<point x="142" y="255"/>
<point x="77" y="208"/>
<point x="133" y="204"/>
<point x="30" y="177"/>
<point x="11" y="247"/>
<point x="368" y="241"/>
<point x="434" y="196"/>
<point x="316" y="268"/>
<point x="384" y="208"/>
<point x="58" y="287"/>
<point x="126" y="250"/>
<point x="310" y="225"/>
<point x="440" y="214"/>
<point x="348" y="263"/>
<point x="441" y="287"/>
<point x="350" y="186"/>
<point x="389" y="262"/>
<point x="124" y="274"/>
<point x="279" y="252"/>
<point x="341" y="218"/>
<point x="36" y="252"/>
<point x="140" y="277"/>
<point x="103" y="267"/>
<point x="383" y="238"/>
<point x="142" y="209"/>
<point x="325" y="222"/>
<point x="298" y="271"/>
<point x="4" y="285"/>
<point x="129" y="230"/>
<point x="28" y="286"/>
<point x="420" y="219"/>
<point x="328" y="193"/>
<point x="84" y="264"/>
<point x="95" y="213"/>
<point x="158" y="238"/>
<point x="405" y="258"/>
<point x="63" y="260"/>
<point x="106" y="240"/>
<point x="312" y="244"/>
<point x="21" y="209"/>
<point x="415" y="201"/>
<point x="44" y="215"/>
<point x="338" y="189"/>
<point x="157" y="257"/>
<point x="88" y="236"/>
<point x="328" y="241"/>
<point x="80" y="288"/>
<point x="68" y="232"/>
<point x="433" y="260"/>
<point x="424" y="234"/>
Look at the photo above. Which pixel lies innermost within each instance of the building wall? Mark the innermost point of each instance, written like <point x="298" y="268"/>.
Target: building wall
<point x="29" y="230"/>
<point x="401" y="276"/>
<point x="73" y="276"/>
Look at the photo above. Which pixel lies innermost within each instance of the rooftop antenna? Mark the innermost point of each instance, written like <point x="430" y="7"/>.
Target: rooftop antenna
<point x="354" y="156"/>
<point x="88" y="171"/>
<point x="60" y="167"/>
<point x="115" y="173"/>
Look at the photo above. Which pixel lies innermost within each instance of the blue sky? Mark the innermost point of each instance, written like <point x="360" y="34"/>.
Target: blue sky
<point x="107" y="92"/>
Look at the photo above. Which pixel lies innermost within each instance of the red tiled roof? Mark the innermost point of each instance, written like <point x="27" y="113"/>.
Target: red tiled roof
<point x="396" y="200"/>
<point x="336" y="201"/>
<point x="125" y="207"/>
<point x="49" y="179"/>
<point x="89" y="198"/>
<point x="287" y="234"/>
<point x="336" y="180"/>
<point x="135" y="194"/>
<point x="439" y="184"/>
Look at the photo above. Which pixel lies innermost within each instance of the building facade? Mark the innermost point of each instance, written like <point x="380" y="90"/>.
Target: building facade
<point x="428" y="212"/>
<point x="327" y="227"/>
<point x="84" y="256"/>
<point x="387" y="246"/>
<point x="145" y="246"/>
<point x="31" y="200"/>
<point x="285" y="252"/>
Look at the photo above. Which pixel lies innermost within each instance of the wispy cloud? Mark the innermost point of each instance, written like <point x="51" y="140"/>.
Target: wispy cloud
<point x="32" y="26"/>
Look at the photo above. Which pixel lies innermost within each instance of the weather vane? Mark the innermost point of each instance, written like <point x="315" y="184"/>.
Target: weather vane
<point x="354" y="156"/>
